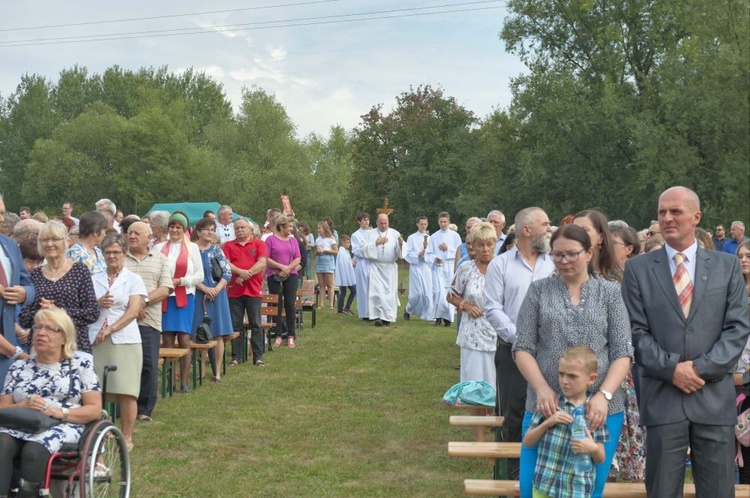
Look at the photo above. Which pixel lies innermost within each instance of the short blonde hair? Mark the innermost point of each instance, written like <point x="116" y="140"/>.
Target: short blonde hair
<point x="282" y="220"/>
<point x="62" y="320"/>
<point x="585" y="355"/>
<point x="52" y="228"/>
<point x="483" y="231"/>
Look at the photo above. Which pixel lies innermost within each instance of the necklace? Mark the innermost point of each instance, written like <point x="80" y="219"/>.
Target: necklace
<point x="55" y="275"/>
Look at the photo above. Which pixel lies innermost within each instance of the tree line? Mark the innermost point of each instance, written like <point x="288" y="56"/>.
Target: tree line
<point x="620" y="100"/>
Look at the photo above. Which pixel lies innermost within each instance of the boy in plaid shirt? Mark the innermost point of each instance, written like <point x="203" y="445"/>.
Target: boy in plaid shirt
<point x="554" y="475"/>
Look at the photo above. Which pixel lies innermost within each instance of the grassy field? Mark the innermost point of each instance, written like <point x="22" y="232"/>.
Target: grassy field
<point x="353" y="411"/>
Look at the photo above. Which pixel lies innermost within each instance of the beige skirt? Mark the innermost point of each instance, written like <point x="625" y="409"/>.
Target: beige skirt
<point x="129" y="360"/>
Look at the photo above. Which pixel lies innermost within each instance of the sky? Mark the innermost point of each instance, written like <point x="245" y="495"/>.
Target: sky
<point x="326" y="61"/>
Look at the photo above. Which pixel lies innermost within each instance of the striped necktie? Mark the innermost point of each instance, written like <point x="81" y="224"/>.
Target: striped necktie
<point x="682" y="283"/>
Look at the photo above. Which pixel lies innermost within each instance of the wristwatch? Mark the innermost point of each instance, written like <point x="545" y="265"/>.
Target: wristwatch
<point x="146" y="300"/>
<point x="65" y="413"/>
<point x="607" y="394"/>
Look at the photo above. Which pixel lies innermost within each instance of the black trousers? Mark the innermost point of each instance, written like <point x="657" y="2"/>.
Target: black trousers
<point x="287" y="292"/>
<point x="511" y="391"/>
<point x="150" y="341"/>
<point x="238" y="306"/>
<point x="33" y="458"/>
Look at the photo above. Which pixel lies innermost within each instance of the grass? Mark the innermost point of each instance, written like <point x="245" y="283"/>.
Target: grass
<point x="353" y="411"/>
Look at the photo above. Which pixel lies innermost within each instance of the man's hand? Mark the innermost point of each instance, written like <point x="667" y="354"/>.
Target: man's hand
<point x="14" y="295"/>
<point x="443" y="246"/>
<point x="381" y="241"/>
<point x="686" y="379"/>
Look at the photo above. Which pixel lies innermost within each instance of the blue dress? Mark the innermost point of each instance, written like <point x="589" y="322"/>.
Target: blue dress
<point x="218" y="309"/>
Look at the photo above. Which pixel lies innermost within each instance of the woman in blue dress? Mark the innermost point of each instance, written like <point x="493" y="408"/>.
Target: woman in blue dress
<point x="211" y="292"/>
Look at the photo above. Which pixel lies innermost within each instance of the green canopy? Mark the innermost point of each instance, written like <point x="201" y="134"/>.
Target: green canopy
<point x="194" y="210"/>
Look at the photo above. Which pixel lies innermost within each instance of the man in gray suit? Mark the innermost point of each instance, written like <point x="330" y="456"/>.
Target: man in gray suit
<point x="690" y="322"/>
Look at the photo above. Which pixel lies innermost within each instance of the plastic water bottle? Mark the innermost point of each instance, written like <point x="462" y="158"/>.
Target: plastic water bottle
<point x="582" y="463"/>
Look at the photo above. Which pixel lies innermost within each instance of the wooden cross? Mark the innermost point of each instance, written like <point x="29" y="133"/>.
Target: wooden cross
<point x="385" y="209"/>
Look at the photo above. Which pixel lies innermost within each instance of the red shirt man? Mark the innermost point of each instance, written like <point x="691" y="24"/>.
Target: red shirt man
<point x="247" y="259"/>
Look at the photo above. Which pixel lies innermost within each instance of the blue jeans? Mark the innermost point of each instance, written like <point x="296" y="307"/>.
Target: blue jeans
<point x="528" y="456"/>
<point x="342" y="297"/>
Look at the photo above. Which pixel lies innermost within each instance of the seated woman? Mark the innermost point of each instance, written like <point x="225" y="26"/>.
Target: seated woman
<point x="43" y="383"/>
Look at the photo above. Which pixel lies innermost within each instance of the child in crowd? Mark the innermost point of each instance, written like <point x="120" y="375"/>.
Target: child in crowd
<point x="344" y="276"/>
<point x="325" y="262"/>
<point x="555" y="474"/>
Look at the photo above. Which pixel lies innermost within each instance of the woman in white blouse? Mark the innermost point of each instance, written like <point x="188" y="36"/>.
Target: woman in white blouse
<point x="115" y="335"/>
<point x="187" y="271"/>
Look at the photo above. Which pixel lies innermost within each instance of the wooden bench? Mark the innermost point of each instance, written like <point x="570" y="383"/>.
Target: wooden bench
<point x="479" y="422"/>
<point x="169" y="355"/>
<point x="197" y="350"/>
<point x="472" y="449"/>
<point x="488" y="487"/>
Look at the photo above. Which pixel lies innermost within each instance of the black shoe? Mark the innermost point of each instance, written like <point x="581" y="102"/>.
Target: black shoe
<point x="365" y="319"/>
<point x="437" y="322"/>
<point x="386" y="324"/>
<point x="446" y="322"/>
<point x="378" y="323"/>
<point x="407" y="316"/>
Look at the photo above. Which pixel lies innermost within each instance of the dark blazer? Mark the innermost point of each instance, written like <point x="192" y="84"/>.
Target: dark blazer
<point x="712" y="336"/>
<point x="8" y="311"/>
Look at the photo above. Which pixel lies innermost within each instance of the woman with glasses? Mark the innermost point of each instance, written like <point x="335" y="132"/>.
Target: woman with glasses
<point x="86" y="250"/>
<point x="187" y="271"/>
<point x="115" y="335"/>
<point x="211" y="294"/>
<point x="568" y="308"/>
<point x="43" y="383"/>
<point x="63" y="283"/>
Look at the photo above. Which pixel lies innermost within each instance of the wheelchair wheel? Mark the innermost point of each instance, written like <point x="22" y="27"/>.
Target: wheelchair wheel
<point x="105" y="473"/>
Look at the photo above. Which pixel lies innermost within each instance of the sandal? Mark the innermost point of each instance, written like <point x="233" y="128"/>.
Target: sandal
<point x="234" y="363"/>
<point x="260" y="363"/>
<point x="144" y="418"/>
<point x="101" y="470"/>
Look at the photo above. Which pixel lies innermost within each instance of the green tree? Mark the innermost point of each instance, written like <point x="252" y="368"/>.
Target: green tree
<point x="416" y="156"/>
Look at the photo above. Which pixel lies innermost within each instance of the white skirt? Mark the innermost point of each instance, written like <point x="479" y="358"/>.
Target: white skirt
<point x="478" y="365"/>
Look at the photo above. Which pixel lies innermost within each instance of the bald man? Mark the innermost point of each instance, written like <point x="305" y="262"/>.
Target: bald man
<point x="382" y="250"/>
<point x="689" y="319"/>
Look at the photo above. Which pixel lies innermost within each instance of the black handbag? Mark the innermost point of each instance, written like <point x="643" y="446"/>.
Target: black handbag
<point x="29" y="420"/>
<point x="216" y="271"/>
<point x="203" y="333"/>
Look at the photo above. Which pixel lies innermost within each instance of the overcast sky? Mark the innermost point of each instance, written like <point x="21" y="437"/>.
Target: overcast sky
<point x="324" y="73"/>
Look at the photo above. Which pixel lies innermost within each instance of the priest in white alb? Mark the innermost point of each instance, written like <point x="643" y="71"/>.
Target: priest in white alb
<point x="420" y="274"/>
<point x="382" y="250"/>
<point x="441" y="251"/>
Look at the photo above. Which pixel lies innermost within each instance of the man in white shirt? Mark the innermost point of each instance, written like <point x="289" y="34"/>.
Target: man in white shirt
<point x="382" y="249"/>
<point x="497" y="219"/>
<point x="224" y="225"/>
<point x="508" y="278"/>
<point x="420" y="274"/>
<point x="441" y="251"/>
<point x="361" y="264"/>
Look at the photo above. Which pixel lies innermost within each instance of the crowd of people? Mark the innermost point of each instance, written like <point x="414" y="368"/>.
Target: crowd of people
<point x="645" y="331"/>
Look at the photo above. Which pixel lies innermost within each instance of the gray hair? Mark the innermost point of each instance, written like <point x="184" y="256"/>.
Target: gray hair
<point x="159" y="218"/>
<point x="224" y="207"/>
<point x="617" y="224"/>
<point x="10" y="221"/>
<point x="114" y="238"/>
<point x="474" y="219"/>
<point x="52" y="228"/>
<point x="739" y="224"/>
<point x="29" y="226"/>
<point x="106" y="204"/>
<point x="525" y="217"/>
<point x="496" y="212"/>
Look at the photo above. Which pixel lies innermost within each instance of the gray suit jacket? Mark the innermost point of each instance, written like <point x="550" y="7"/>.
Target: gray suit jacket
<point x="712" y="336"/>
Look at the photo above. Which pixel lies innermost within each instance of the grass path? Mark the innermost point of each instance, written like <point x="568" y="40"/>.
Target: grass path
<point x="353" y="411"/>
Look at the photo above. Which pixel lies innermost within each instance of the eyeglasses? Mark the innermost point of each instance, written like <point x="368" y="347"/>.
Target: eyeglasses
<point x="623" y="244"/>
<point x="209" y="229"/>
<point x="718" y="229"/>
<point x="47" y="328"/>
<point x="651" y="233"/>
<point x="51" y="239"/>
<point x="112" y="253"/>
<point x="571" y="257"/>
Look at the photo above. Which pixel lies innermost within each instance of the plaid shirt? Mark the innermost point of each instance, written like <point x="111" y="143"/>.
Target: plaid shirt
<point x="554" y="474"/>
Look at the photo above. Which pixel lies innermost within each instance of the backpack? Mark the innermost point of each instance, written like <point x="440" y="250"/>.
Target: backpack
<point x="742" y="429"/>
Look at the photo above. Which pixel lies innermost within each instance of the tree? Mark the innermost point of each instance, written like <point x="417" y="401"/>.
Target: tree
<point x="416" y="156"/>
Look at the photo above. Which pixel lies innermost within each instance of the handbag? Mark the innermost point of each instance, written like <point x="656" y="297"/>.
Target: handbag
<point x="29" y="420"/>
<point x="203" y="333"/>
<point x="742" y="429"/>
<point x="216" y="271"/>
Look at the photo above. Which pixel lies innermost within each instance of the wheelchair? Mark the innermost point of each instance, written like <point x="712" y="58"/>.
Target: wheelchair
<point x="97" y="466"/>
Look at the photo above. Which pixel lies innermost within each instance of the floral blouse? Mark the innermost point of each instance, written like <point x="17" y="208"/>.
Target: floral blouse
<point x="52" y="382"/>
<point x="78" y="252"/>
<point x="473" y="333"/>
